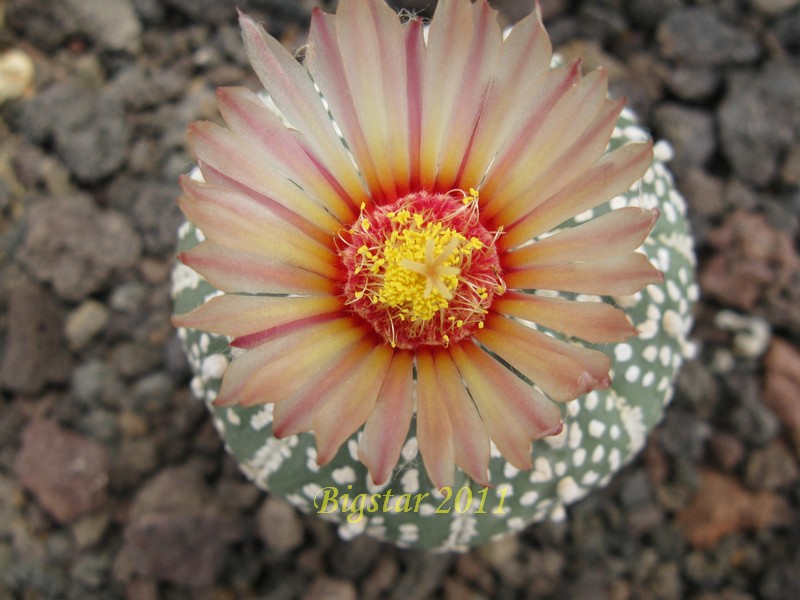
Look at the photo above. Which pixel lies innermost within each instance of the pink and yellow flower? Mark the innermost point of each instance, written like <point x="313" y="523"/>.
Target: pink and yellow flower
<point x="382" y="266"/>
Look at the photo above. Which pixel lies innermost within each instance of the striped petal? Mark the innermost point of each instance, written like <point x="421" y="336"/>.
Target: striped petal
<point x="233" y="271"/>
<point x="449" y="41"/>
<point x="563" y="371"/>
<point x="470" y="441"/>
<point x="471" y="96"/>
<point x="326" y="65"/>
<point x="513" y="412"/>
<point x="225" y="160"/>
<point x="612" y="234"/>
<point x="434" y="431"/>
<point x="415" y="59"/>
<point x="595" y="322"/>
<point x="374" y="82"/>
<point x="297" y="413"/>
<point x="279" y="368"/>
<point x="616" y="276"/>
<point x="558" y="168"/>
<point x="234" y="315"/>
<point x="610" y="176"/>
<point x="234" y="220"/>
<point x="524" y="63"/>
<point x="281" y="149"/>
<point x="575" y="110"/>
<point x="348" y="407"/>
<point x="292" y="90"/>
<point x="387" y="427"/>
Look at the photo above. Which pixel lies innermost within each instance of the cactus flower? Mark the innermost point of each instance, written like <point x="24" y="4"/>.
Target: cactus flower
<point x="391" y="253"/>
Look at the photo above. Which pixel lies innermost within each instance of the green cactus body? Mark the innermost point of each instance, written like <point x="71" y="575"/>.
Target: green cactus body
<point x="603" y="430"/>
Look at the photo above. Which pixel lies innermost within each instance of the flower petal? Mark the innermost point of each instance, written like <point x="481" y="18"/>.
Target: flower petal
<point x="513" y="412"/>
<point x="415" y="59"/>
<point x="434" y="431"/>
<point x="236" y="221"/>
<point x="560" y="166"/>
<point x="292" y="90"/>
<point x="615" y="276"/>
<point x="615" y="233"/>
<point x="283" y="150"/>
<point x="347" y="408"/>
<point x="297" y="413"/>
<point x="326" y="65"/>
<point x="565" y="123"/>
<point x="611" y="175"/>
<point x="233" y="271"/>
<point x="387" y="427"/>
<point x="595" y="322"/>
<point x="370" y="35"/>
<point x="563" y="371"/>
<point x="234" y="315"/>
<point x="225" y="160"/>
<point x="449" y="41"/>
<point x="524" y="63"/>
<point x="471" y="96"/>
<point x="277" y="369"/>
<point x="470" y="441"/>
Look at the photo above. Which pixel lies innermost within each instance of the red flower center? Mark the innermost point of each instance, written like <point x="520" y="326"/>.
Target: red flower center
<point x="422" y="270"/>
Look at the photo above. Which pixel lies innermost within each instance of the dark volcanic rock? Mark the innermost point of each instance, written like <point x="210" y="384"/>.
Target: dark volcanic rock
<point x="67" y="472"/>
<point x="88" y="127"/>
<point x="759" y="120"/>
<point x="176" y="531"/>
<point x="700" y="36"/>
<point x="112" y="24"/>
<point x="691" y="132"/>
<point x="76" y="246"/>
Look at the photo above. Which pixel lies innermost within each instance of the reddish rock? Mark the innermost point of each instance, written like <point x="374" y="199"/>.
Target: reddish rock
<point x="782" y="385"/>
<point x="66" y="472"/>
<point x="728" y="450"/>
<point x="722" y="506"/>
<point x="754" y="261"/>
<point x="176" y="532"/>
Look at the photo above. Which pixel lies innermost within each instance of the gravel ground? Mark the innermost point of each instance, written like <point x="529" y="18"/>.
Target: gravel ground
<point x="113" y="483"/>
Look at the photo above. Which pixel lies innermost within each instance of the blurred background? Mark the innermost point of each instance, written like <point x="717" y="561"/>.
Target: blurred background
<point x="113" y="483"/>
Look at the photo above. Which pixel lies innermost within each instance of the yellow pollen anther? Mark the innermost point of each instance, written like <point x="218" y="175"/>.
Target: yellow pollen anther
<point x="420" y="262"/>
<point x="422" y="271"/>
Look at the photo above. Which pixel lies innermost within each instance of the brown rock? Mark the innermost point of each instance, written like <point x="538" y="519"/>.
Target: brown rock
<point x="722" y="506"/>
<point x="782" y="386"/>
<point x="771" y="468"/>
<point x="35" y="352"/>
<point x="327" y="588"/>
<point x="476" y="572"/>
<point x="76" y="246"/>
<point x="456" y="588"/>
<point x="66" y="472"/>
<point x="381" y="579"/>
<point x="176" y="531"/>
<point x="279" y="526"/>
